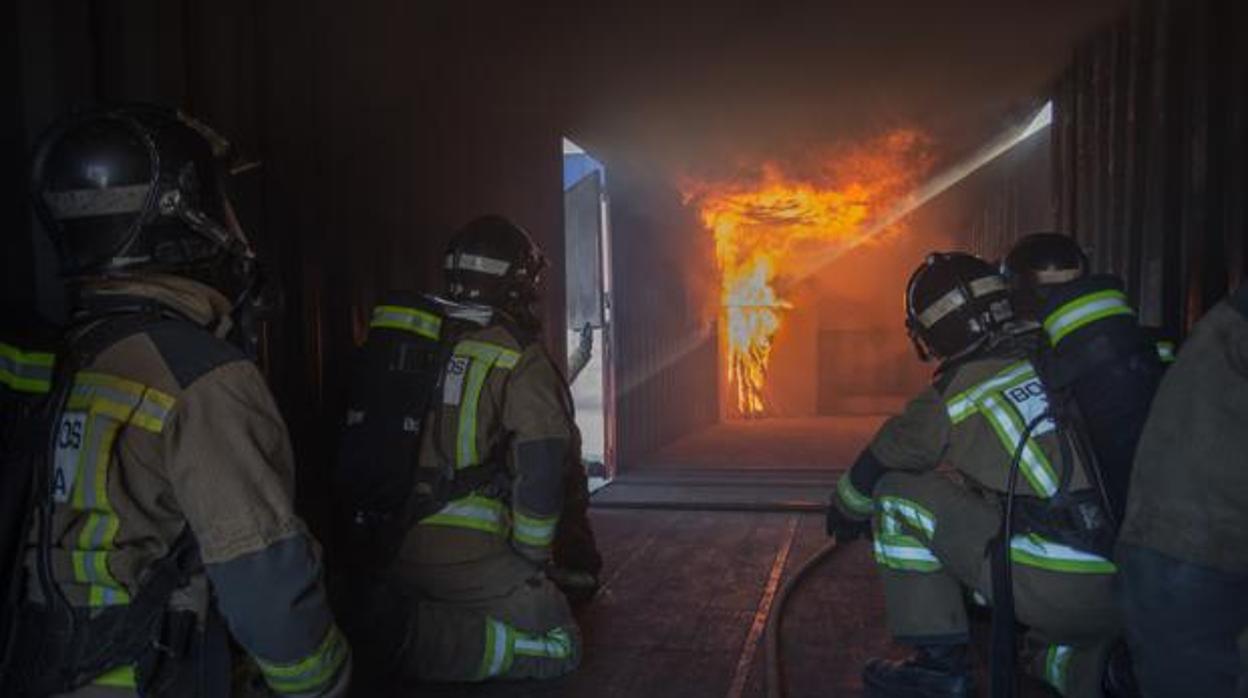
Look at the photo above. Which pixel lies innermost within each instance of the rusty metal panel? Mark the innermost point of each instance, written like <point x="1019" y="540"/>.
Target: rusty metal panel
<point x="1149" y="152"/>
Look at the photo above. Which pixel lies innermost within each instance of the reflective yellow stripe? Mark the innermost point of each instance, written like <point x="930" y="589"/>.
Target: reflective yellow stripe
<point x="499" y="650"/>
<point x="1032" y="462"/>
<point x="553" y="644"/>
<point x="895" y="545"/>
<point x="1035" y="551"/>
<point x="1057" y="666"/>
<point x="397" y="317"/>
<point x="476" y="512"/>
<point x="483" y="357"/>
<point x="904" y="552"/>
<point x="536" y="531"/>
<point x="27" y="372"/>
<point x="853" y="500"/>
<point x="110" y="404"/>
<point x="1084" y="311"/>
<point x="312" y="672"/>
<point x="894" y="511"/>
<point x="121" y="677"/>
<point x="985" y="399"/>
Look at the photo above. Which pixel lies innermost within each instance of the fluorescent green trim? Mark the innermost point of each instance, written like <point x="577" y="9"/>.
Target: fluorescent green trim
<point x="498" y="655"/>
<point x="312" y="672"/>
<point x="396" y="317"/>
<point x="26" y="372"/>
<point x="554" y="644"/>
<point x="120" y="677"/>
<point x="1057" y="666"/>
<point x="853" y="500"/>
<point x="1084" y="311"/>
<point x="896" y="510"/>
<point x="476" y="512"/>
<point x="484" y="357"/>
<point x="538" y="532"/>
<point x="1034" y="551"/>
<point x="905" y="553"/>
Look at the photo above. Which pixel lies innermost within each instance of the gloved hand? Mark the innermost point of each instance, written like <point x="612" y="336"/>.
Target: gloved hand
<point x="844" y="527"/>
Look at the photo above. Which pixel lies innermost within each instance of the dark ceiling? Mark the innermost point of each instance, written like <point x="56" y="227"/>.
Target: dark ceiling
<point x="696" y="85"/>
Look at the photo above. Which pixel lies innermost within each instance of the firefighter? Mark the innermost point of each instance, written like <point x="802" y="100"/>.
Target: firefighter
<point x="932" y="530"/>
<point x="1098" y="355"/>
<point x="164" y="532"/>
<point x="488" y="610"/>
<point x="1183" y="547"/>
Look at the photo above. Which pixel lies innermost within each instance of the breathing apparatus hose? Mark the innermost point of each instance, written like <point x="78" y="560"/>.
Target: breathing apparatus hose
<point x="1002" y="672"/>
<point x="775" y="680"/>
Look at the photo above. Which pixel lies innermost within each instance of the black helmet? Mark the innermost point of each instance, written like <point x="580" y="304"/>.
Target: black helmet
<point x="493" y="261"/>
<point x="954" y="302"/>
<point x="1044" y="259"/>
<point x="137" y="188"/>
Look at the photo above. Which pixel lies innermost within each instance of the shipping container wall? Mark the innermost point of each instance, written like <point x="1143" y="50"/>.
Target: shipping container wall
<point x="1151" y="154"/>
<point x="377" y="137"/>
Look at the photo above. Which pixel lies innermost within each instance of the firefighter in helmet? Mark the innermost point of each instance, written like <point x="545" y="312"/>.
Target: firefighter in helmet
<point x="488" y="609"/>
<point x="1097" y="354"/>
<point x="163" y="520"/>
<point x="932" y="530"/>
<point x="1183" y="546"/>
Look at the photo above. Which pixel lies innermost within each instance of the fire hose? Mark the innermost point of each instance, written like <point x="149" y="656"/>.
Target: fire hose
<point x="775" y="679"/>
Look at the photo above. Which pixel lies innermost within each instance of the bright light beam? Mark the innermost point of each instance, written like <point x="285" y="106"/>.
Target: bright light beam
<point x="934" y="187"/>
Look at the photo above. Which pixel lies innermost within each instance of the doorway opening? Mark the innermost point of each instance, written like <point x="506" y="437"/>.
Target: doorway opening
<point x="587" y="268"/>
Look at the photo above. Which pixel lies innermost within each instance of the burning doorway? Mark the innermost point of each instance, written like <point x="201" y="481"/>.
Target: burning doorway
<point x="774" y="226"/>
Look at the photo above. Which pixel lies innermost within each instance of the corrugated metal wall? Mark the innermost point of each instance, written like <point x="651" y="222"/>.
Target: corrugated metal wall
<point x="1150" y="153"/>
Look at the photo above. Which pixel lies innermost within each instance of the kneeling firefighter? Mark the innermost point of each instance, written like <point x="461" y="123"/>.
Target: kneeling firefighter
<point x="463" y="387"/>
<point x="984" y="414"/>
<point x="1183" y="546"/>
<point x="1099" y="361"/>
<point x="160" y="522"/>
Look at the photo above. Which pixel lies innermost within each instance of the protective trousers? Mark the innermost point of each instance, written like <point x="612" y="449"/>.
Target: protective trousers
<point x="496" y="617"/>
<point x="931" y="543"/>
<point x="1187" y="625"/>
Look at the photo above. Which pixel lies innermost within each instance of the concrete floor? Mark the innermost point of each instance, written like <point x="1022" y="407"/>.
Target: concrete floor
<point x="809" y="443"/>
<point x="685" y="586"/>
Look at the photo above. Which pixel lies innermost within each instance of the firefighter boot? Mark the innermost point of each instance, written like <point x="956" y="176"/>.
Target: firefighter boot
<point x="935" y="671"/>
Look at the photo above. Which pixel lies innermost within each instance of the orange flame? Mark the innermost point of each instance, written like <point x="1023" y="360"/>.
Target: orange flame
<point x="766" y="222"/>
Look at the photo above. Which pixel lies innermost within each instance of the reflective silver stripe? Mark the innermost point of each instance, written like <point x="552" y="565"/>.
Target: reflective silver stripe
<point x="476" y="512"/>
<point x="497" y="656"/>
<point x="896" y="510"/>
<point x="29" y="372"/>
<point x="534" y="531"/>
<point x="1035" y="466"/>
<point x="1034" y="551"/>
<point x="555" y="644"/>
<point x="477" y="263"/>
<point x="84" y="203"/>
<point x="944" y="305"/>
<point x="1056" y="664"/>
<point x="983" y="399"/>
<point x="906" y="553"/>
<point x="1085" y="310"/>
<point x="986" y="285"/>
<point x="407" y="319"/>
<point x="484" y="357"/>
